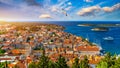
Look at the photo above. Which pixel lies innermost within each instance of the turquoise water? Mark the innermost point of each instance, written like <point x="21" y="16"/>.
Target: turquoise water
<point x="96" y="37"/>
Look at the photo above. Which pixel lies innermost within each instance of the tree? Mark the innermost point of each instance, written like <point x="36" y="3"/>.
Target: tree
<point x="107" y="56"/>
<point x="32" y="65"/>
<point x="76" y="63"/>
<point x="2" y="51"/>
<point x="4" y="64"/>
<point x="51" y="64"/>
<point x="84" y="63"/>
<point x="117" y="64"/>
<point x="102" y="65"/>
<point x="109" y="61"/>
<point x="43" y="62"/>
<point x="61" y="63"/>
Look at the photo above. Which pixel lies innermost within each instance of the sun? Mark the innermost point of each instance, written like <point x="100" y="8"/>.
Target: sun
<point x="2" y="20"/>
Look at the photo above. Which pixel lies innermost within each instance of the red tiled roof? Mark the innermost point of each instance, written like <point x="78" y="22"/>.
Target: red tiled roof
<point x="5" y="58"/>
<point x="67" y="41"/>
<point x="21" y="64"/>
<point x="18" y="51"/>
<point x="11" y="65"/>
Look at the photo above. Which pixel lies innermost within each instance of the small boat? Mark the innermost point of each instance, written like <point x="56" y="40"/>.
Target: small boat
<point x="108" y="38"/>
<point x="100" y="29"/>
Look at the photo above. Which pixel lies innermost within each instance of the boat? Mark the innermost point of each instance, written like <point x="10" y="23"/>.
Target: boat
<point x="100" y="29"/>
<point x="108" y="38"/>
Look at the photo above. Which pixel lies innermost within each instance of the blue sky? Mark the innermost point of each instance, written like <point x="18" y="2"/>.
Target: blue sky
<point x="60" y="10"/>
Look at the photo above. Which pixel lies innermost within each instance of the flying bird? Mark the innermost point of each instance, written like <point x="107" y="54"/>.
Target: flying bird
<point x="64" y="12"/>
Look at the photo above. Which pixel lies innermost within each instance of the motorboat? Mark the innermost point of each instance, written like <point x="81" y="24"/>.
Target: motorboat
<point x="108" y="38"/>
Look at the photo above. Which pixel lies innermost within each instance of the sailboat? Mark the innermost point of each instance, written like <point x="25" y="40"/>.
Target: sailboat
<point x="87" y="39"/>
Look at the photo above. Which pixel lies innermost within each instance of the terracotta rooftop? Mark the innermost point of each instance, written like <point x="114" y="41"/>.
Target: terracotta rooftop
<point x="67" y="41"/>
<point x="11" y="65"/>
<point x="5" y="58"/>
<point x="87" y="48"/>
<point x="21" y="64"/>
<point x="18" y="51"/>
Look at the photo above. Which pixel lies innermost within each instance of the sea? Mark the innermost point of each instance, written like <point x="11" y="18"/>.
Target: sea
<point x="112" y="46"/>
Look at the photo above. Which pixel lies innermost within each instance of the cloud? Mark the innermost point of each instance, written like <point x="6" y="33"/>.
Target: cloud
<point x="61" y="8"/>
<point x="117" y="6"/>
<point x="69" y="3"/>
<point x="45" y="16"/>
<point x="92" y="10"/>
<point x="27" y="9"/>
<point x="88" y="0"/>
<point x="62" y="2"/>
<point x="4" y="5"/>
<point x="14" y="2"/>
<point x="88" y="11"/>
<point x="68" y="8"/>
<point x="32" y="2"/>
<point x="7" y="1"/>
<point x="54" y="8"/>
<point x="107" y="9"/>
<point x="111" y="9"/>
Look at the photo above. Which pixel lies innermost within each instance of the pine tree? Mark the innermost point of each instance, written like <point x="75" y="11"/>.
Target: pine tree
<point x="51" y="64"/>
<point x="76" y="63"/>
<point x="61" y="63"/>
<point x="43" y="62"/>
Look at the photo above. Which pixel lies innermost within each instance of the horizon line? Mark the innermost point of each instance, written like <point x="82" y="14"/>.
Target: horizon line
<point x="62" y="21"/>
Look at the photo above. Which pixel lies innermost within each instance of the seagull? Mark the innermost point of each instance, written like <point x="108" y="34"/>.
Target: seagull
<point x="64" y="12"/>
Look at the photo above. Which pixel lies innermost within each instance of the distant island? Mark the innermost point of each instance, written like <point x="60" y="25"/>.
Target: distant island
<point x="100" y="25"/>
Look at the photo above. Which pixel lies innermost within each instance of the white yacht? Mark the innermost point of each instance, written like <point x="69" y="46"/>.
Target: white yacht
<point x="108" y="38"/>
